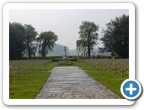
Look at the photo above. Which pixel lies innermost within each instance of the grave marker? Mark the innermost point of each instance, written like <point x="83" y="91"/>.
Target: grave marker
<point x="11" y="75"/>
<point x="114" y="67"/>
<point x="122" y="70"/>
<point x="108" y="68"/>
<point x="17" y="72"/>
<point x="127" y="69"/>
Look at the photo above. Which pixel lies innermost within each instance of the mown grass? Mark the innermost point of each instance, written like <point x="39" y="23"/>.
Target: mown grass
<point x="46" y="67"/>
<point x="108" y="79"/>
<point x="26" y="87"/>
<point x="29" y="85"/>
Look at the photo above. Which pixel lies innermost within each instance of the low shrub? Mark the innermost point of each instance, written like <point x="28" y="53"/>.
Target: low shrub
<point x="70" y="56"/>
<point x="65" y="62"/>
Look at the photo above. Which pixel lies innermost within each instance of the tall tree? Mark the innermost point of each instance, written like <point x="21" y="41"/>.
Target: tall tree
<point x="88" y="34"/>
<point x="81" y="46"/>
<point x="30" y="35"/>
<point x="47" y="41"/>
<point x="116" y="36"/>
<point x="16" y="40"/>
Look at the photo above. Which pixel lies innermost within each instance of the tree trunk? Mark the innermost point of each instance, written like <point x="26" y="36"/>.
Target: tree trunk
<point x="89" y="44"/>
<point x="88" y="50"/>
<point x="43" y="54"/>
<point x="28" y="50"/>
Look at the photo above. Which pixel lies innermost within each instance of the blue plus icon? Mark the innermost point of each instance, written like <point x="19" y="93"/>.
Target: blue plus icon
<point x="130" y="89"/>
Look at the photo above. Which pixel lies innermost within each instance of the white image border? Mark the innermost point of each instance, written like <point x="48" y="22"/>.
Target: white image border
<point x="8" y="6"/>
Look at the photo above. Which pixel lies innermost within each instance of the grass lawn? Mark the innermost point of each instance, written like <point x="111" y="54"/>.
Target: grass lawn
<point x="29" y="85"/>
<point x="45" y="67"/>
<point x="111" y="81"/>
<point x="108" y="79"/>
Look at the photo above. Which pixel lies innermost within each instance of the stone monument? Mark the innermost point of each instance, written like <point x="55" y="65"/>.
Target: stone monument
<point x="65" y="56"/>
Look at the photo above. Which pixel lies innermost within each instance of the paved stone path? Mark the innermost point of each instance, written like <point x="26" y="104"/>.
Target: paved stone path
<point x="73" y="83"/>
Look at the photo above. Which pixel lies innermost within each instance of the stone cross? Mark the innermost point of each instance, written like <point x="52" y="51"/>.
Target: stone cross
<point x="17" y="71"/>
<point x="11" y="75"/>
<point x="114" y="67"/>
<point x="29" y="69"/>
<point x="105" y="65"/>
<point x="96" y="64"/>
<point x="127" y="69"/>
<point x="108" y="68"/>
<point x="23" y="70"/>
<point x="122" y="70"/>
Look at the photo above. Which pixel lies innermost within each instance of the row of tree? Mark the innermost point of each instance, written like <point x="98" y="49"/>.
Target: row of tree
<point x="22" y="38"/>
<point x="115" y="37"/>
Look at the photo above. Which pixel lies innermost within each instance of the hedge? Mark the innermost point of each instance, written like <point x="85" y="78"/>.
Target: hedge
<point x="71" y="56"/>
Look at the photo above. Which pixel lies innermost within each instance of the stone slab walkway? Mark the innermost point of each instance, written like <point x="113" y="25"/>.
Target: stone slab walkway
<point x="73" y="83"/>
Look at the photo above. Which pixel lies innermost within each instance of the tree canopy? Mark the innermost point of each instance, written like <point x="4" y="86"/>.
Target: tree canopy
<point x="88" y="36"/>
<point x="30" y="34"/>
<point x="22" y="39"/>
<point x="47" y="40"/>
<point x="116" y="36"/>
<point x="16" y="40"/>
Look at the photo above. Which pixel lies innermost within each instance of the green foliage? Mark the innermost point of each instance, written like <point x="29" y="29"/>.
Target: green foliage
<point x="40" y="57"/>
<point x="30" y="35"/>
<point x="22" y="39"/>
<point x="71" y="56"/>
<point x="88" y="37"/>
<point x="81" y="46"/>
<point x="65" y="62"/>
<point x="47" y="40"/>
<point x="16" y="40"/>
<point x="116" y="36"/>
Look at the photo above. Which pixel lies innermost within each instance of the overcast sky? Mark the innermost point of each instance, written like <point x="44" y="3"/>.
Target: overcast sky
<point x="64" y="22"/>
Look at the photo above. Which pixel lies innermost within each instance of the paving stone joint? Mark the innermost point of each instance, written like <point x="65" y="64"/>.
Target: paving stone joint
<point x="73" y="83"/>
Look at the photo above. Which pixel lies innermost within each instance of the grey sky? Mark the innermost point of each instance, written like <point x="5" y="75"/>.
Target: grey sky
<point x="64" y="22"/>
